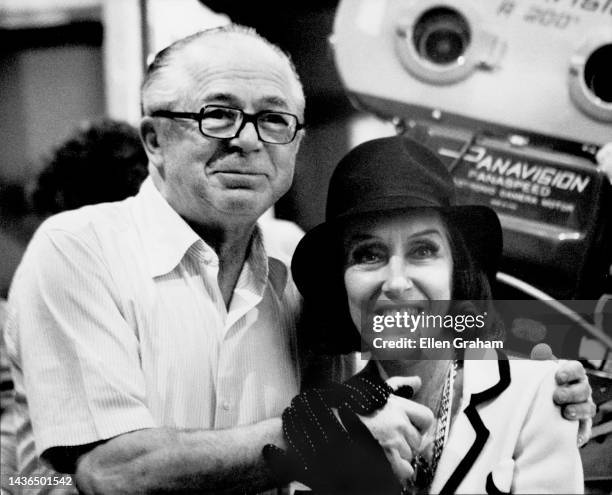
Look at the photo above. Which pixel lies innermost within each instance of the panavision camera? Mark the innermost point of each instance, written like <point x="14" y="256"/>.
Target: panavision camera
<point x="516" y="97"/>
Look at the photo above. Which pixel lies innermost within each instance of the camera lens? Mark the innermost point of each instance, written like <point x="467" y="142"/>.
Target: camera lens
<point x="597" y="74"/>
<point x="441" y="35"/>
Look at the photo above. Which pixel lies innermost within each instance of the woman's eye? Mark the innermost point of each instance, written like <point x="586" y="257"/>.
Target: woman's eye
<point x="367" y="255"/>
<point x="424" y="251"/>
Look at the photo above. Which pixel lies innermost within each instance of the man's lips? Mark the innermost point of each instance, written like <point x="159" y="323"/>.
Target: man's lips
<point x="238" y="179"/>
<point x="237" y="172"/>
<point x="247" y="172"/>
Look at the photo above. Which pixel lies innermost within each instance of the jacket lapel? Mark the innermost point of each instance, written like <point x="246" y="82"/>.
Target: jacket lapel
<point x="483" y="381"/>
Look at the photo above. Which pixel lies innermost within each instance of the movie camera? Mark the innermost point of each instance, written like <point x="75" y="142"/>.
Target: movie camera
<point x="516" y="97"/>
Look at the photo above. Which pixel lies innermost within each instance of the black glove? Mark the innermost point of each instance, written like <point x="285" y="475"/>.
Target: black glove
<point x="332" y="457"/>
<point x="363" y="394"/>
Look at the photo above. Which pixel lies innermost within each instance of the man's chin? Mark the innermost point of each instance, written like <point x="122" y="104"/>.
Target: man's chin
<point x="244" y="203"/>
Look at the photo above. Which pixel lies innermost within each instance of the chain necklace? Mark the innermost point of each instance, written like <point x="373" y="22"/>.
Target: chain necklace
<point x="425" y="470"/>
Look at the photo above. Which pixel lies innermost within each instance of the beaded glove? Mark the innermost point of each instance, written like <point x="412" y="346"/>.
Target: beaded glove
<point x="335" y="454"/>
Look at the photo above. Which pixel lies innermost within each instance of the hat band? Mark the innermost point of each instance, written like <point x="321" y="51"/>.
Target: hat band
<point x="386" y="203"/>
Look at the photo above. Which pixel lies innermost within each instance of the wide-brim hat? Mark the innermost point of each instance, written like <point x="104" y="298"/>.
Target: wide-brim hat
<point x="387" y="175"/>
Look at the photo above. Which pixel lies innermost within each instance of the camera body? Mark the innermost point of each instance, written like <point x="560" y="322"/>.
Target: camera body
<point x="535" y="66"/>
<point x="515" y="96"/>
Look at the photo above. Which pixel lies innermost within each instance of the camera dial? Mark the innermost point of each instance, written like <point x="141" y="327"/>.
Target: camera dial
<point x="444" y="43"/>
<point x="590" y="79"/>
<point x="441" y="36"/>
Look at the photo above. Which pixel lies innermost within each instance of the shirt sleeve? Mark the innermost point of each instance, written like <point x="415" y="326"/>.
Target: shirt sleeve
<point x="547" y="458"/>
<point x="78" y="356"/>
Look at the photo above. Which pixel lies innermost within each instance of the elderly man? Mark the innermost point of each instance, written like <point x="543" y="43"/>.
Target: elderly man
<point x="154" y="338"/>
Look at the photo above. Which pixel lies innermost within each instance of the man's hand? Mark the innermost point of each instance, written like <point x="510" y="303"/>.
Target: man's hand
<point x="573" y="394"/>
<point x="399" y="427"/>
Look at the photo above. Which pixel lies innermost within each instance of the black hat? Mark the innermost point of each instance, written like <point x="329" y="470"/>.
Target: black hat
<point x="389" y="174"/>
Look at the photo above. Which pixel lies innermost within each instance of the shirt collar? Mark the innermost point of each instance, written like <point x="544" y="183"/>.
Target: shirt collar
<point x="166" y="236"/>
<point x="278" y="259"/>
<point x="255" y="270"/>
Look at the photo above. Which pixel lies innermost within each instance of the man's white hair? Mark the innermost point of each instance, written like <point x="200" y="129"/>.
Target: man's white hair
<point x="160" y="87"/>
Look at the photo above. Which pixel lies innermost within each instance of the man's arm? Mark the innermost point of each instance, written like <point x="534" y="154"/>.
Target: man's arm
<point x="170" y="460"/>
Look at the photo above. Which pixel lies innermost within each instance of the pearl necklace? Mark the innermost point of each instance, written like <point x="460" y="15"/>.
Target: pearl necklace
<point x="425" y="470"/>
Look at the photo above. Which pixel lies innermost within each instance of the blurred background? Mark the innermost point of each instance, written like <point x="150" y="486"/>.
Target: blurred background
<point x="434" y="70"/>
<point x="67" y="61"/>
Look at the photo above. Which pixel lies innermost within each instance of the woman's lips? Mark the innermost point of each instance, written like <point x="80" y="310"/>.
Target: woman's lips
<point x="403" y="310"/>
<point x="404" y="307"/>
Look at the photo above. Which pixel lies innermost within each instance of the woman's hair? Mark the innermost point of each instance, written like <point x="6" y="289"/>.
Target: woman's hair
<point x="471" y="291"/>
<point x="326" y="326"/>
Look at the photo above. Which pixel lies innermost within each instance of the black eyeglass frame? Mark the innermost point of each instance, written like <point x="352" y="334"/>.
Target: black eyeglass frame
<point x="246" y="118"/>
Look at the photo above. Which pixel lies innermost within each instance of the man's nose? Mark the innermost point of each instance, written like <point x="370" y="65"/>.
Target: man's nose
<point x="247" y="138"/>
<point x="397" y="279"/>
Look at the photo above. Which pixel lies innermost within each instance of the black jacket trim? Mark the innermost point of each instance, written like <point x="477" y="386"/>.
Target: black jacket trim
<point x="482" y="433"/>
<point x="491" y="488"/>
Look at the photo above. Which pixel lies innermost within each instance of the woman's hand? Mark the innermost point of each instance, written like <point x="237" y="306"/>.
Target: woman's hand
<point x="399" y="427"/>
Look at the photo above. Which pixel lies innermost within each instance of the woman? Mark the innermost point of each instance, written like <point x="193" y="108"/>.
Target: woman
<point x="396" y="243"/>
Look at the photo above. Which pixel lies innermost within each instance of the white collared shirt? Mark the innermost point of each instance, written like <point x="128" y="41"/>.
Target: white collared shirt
<point x="117" y="323"/>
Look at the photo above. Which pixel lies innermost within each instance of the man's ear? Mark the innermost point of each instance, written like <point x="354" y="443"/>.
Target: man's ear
<point x="150" y="137"/>
<point x="300" y="136"/>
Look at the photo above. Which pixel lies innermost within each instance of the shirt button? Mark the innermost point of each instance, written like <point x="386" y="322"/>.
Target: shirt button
<point x="225" y="405"/>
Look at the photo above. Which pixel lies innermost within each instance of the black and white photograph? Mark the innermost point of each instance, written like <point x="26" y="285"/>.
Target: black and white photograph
<point x="335" y="247"/>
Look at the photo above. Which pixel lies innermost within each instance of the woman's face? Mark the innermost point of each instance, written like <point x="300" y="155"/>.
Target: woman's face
<point x="398" y="263"/>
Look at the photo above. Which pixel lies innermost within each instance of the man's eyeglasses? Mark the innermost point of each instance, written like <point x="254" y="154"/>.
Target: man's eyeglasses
<point x="221" y="122"/>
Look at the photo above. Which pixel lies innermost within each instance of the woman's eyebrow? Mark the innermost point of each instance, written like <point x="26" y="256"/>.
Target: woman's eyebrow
<point x="426" y="232"/>
<point x="353" y="240"/>
<point x="363" y="236"/>
<point x="359" y="237"/>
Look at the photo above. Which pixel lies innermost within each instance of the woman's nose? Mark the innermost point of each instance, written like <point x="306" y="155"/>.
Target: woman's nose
<point x="397" y="280"/>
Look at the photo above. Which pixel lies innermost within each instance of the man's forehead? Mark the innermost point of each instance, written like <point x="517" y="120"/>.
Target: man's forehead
<point x="226" y="72"/>
<point x="231" y="98"/>
<point x="247" y="50"/>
